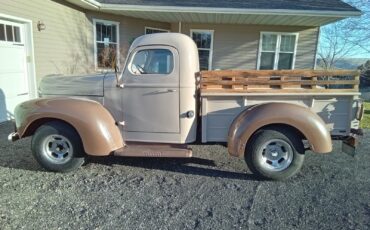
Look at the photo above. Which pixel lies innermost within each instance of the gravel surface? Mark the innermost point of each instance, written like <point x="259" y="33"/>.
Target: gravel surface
<point x="209" y="191"/>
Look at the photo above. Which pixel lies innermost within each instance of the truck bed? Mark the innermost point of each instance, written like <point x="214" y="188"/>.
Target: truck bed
<point x="224" y="94"/>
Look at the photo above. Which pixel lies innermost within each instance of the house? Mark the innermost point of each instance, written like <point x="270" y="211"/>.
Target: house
<point x="42" y="37"/>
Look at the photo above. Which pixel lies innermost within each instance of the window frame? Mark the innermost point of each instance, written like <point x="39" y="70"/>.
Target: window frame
<point x="277" y="48"/>
<point x="21" y="35"/>
<point x="132" y="58"/>
<point x="107" y="22"/>
<point x="210" y="64"/>
<point x="153" y="28"/>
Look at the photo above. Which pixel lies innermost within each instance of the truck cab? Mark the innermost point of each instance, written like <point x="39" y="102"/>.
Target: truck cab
<point x="159" y="89"/>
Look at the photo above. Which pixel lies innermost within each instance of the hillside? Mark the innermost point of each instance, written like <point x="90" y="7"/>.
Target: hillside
<point x="347" y="63"/>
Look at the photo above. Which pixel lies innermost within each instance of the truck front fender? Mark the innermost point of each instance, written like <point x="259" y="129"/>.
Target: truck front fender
<point x="308" y="123"/>
<point x="95" y="125"/>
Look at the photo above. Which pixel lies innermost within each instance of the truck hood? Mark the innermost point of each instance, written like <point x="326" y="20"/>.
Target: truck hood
<point x="86" y="85"/>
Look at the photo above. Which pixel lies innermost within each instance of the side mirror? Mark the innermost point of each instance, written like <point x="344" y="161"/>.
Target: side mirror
<point x="116" y="72"/>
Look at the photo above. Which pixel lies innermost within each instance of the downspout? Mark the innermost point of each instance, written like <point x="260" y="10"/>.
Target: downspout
<point x="180" y="25"/>
<point x="317" y="48"/>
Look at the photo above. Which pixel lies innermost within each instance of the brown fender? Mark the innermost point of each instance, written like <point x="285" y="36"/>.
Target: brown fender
<point x="303" y="119"/>
<point x="95" y="125"/>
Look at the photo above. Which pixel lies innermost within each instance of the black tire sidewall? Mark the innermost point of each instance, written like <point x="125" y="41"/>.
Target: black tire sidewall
<point x="263" y="136"/>
<point x="68" y="132"/>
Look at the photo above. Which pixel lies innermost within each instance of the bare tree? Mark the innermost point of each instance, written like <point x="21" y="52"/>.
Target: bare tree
<point x="347" y="37"/>
<point x="358" y="29"/>
<point x="365" y="74"/>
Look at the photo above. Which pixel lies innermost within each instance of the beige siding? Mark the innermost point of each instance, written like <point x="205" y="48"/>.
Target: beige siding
<point x="63" y="47"/>
<point x="306" y="49"/>
<point x="66" y="46"/>
<point x="236" y="46"/>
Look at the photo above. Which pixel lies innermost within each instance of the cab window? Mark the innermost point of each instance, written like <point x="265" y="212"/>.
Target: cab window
<point x="152" y="61"/>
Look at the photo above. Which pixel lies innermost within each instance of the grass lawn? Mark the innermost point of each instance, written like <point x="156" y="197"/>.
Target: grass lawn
<point x="365" y="123"/>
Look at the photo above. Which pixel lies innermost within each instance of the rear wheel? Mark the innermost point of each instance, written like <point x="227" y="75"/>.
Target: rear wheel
<point x="275" y="153"/>
<point x="57" y="147"/>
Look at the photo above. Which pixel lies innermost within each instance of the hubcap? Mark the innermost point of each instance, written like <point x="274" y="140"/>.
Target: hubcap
<point x="57" y="149"/>
<point x="275" y="155"/>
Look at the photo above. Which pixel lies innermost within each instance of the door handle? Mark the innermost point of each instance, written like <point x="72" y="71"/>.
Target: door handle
<point x="164" y="91"/>
<point x="22" y="94"/>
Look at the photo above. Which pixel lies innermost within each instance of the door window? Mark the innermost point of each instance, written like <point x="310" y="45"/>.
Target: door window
<point x="10" y="33"/>
<point x="152" y="61"/>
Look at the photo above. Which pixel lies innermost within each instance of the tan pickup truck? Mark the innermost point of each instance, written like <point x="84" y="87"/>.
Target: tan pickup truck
<point x="160" y="102"/>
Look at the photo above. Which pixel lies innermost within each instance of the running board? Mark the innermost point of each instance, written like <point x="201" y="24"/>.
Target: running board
<point x="154" y="150"/>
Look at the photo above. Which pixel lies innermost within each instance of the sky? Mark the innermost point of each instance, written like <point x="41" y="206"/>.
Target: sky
<point x="363" y="32"/>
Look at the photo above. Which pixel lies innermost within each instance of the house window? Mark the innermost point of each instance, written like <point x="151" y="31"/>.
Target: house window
<point x="204" y="41"/>
<point x="277" y="50"/>
<point x="152" y="61"/>
<point x="151" y="30"/>
<point x="106" y="44"/>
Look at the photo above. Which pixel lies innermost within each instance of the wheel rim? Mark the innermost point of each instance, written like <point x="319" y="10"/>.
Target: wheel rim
<point x="275" y="155"/>
<point x="58" y="149"/>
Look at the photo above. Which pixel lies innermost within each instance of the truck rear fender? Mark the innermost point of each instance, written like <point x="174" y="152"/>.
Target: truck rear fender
<point x="98" y="130"/>
<point x="308" y="123"/>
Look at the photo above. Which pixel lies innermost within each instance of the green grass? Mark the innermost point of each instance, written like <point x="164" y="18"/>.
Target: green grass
<point x="365" y="123"/>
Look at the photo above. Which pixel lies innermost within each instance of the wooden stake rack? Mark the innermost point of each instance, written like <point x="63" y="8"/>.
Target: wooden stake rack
<point x="279" y="81"/>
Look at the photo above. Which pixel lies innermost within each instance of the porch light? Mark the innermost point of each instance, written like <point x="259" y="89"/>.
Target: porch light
<point x="41" y="26"/>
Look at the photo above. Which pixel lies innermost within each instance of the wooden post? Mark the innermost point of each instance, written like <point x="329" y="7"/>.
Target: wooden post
<point x="356" y="86"/>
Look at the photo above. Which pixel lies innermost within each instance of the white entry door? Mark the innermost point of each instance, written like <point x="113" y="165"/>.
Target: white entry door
<point x="13" y="68"/>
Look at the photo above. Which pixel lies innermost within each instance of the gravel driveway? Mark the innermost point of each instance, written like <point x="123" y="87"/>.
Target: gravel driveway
<point x="209" y="191"/>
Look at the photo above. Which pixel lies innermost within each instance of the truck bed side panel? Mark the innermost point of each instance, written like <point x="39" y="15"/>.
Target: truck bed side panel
<point x="218" y="112"/>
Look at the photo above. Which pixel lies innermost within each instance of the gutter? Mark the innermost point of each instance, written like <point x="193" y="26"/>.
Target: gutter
<point x="92" y="3"/>
<point x="205" y="10"/>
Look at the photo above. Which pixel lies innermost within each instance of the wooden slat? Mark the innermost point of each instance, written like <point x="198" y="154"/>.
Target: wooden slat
<point x="281" y="91"/>
<point x="280" y="82"/>
<point x="357" y="78"/>
<point x="267" y="73"/>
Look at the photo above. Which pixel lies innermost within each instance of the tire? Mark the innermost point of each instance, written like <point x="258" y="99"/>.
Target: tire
<point x="57" y="147"/>
<point x="275" y="153"/>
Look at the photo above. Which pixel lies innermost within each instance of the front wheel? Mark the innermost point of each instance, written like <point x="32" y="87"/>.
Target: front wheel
<point x="57" y="147"/>
<point x="275" y="153"/>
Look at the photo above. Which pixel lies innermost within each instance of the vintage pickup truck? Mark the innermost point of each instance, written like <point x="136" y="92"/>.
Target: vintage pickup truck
<point x="160" y="102"/>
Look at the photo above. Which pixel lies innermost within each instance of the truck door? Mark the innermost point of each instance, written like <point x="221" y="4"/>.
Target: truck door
<point x="151" y="90"/>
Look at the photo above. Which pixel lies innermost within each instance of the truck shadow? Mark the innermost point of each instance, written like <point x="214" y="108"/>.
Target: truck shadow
<point x="17" y="155"/>
<point x="188" y="166"/>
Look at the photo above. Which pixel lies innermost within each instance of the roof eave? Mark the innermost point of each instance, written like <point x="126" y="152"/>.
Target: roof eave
<point x="119" y="7"/>
<point x="220" y="15"/>
<point x="207" y="10"/>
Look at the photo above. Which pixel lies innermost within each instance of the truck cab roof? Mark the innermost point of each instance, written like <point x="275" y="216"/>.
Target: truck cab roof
<point x="186" y="49"/>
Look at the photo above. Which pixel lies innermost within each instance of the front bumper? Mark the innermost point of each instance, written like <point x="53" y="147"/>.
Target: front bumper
<point x="14" y="136"/>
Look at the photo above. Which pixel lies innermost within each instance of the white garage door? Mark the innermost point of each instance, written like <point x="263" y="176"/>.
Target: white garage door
<point x="13" y="68"/>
